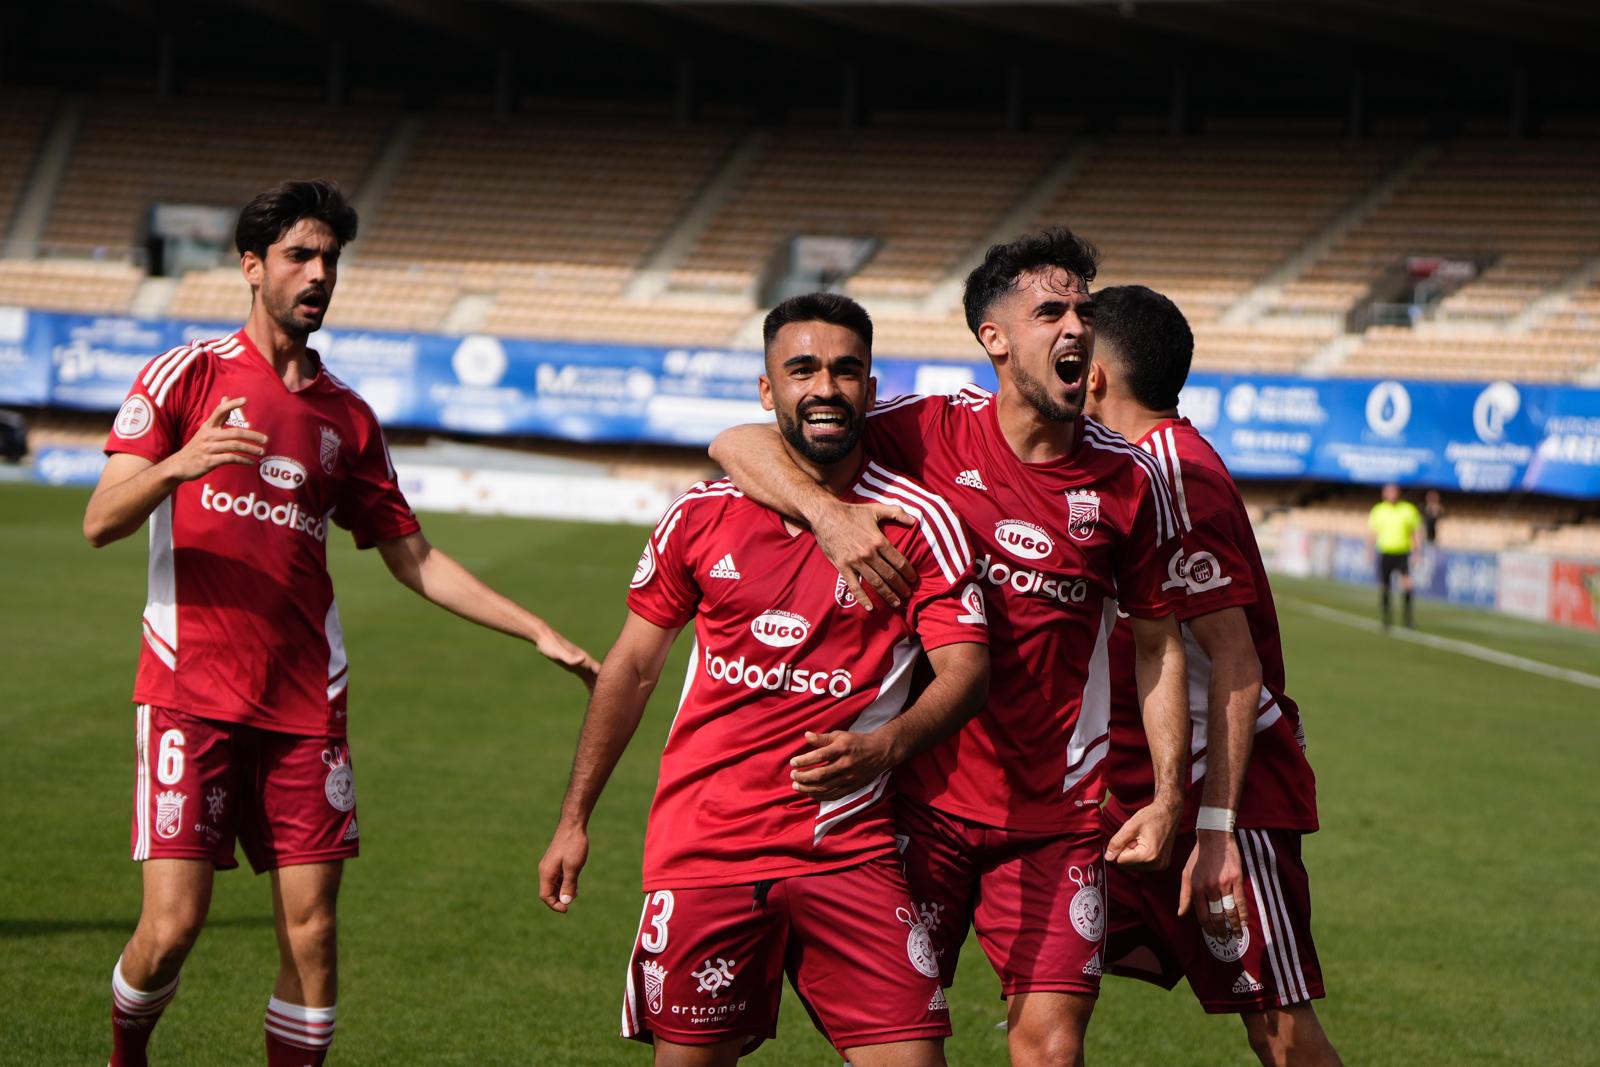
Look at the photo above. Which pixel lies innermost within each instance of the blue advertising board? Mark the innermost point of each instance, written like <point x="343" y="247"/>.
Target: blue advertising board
<point x="1474" y="436"/>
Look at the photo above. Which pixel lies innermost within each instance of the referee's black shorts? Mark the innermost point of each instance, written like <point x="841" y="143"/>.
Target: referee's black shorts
<point x="1391" y="564"/>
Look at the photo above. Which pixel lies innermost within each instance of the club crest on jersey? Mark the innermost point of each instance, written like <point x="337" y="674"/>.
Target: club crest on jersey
<point x="655" y="978"/>
<point x="1083" y="512"/>
<point x="1023" y="540"/>
<point x="780" y="629"/>
<point x="713" y="978"/>
<point x="1230" y="948"/>
<point x="169" y="813"/>
<point x="340" y="785"/>
<point x="1088" y="908"/>
<point x="919" y="945"/>
<point x="842" y="595"/>
<point x="645" y="569"/>
<point x="134" y="418"/>
<point x="972" y="601"/>
<point x="329" y="450"/>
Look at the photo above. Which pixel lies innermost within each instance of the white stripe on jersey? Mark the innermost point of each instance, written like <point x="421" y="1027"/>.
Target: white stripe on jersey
<point x="935" y="520"/>
<point x="886" y="406"/>
<point x="1099" y="437"/>
<point x="161" y="588"/>
<point x="1166" y="451"/>
<point x="170" y="376"/>
<point x="674" y="512"/>
<point x="889" y="702"/>
<point x="1090" y="738"/>
<point x="161" y="362"/>
<point x="338" y="663"/>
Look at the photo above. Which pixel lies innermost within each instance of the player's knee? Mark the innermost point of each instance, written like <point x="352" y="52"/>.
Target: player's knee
<point x="1049" y="1045"/>
<point x="313" y="933"/>
<point x="169" y="937"/>
<point x="1286" y="1039"/>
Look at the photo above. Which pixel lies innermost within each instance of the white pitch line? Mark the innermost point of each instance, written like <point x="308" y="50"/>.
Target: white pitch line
<point x="1448" y="644"/>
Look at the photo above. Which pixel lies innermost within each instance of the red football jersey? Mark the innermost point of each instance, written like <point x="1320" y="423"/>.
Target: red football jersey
<point x="240" y="622"/>
<point x="1057" y="543"/>
<point x="1217" y="567"/>
<point x="781" y="647"/>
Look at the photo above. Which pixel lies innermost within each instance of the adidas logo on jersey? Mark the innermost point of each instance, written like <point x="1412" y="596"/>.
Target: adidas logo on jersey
<point x="725" y="568"/>
<point x="971" y="479"/>
<point x="1246" y="983"/>
<point x="237" y="420"/>
<point x="938" y="1003"/>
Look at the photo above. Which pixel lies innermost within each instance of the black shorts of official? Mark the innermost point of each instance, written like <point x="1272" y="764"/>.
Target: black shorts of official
<point x="1391" y="564"/>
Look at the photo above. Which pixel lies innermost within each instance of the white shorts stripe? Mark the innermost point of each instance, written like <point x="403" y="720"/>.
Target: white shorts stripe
<point x="1264" y="918"/>
<point x="630" y="999"/>
<point x="1289" y="941"/>
<point x="141" y="789"/>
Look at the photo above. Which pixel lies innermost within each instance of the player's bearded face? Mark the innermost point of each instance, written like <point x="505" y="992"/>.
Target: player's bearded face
<point x="817" y="384"/>
<point x="1048" y="325"/>
<point x="824" y="430"/>
<point x="298" y="277"/>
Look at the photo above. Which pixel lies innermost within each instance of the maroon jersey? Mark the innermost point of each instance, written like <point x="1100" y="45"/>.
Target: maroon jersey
<point x="1058" y="544"/>
<point x="781" y="647"/>
<point x="240" y="622"/>
<point x="1217" y="567"/>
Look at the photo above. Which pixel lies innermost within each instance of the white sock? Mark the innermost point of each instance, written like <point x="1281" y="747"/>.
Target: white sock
<point x="133" y="1001"/>
<point x="307" y="1028"/>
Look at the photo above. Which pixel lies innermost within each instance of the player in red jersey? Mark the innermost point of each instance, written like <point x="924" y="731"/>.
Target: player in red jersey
<point x="1236" y="920"/>
<point x="241" y="452"/>
<point x="1067" y="519"/>
<point x="769" y="846"/>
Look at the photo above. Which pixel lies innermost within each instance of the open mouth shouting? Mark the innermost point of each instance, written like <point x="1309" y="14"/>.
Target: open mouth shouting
<point x="826" y="420"/>
<point x="312" y="303"/>
<point x="1070" y="364"/>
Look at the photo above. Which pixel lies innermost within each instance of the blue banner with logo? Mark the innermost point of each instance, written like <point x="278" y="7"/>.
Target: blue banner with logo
<point x="1483" y="436"/>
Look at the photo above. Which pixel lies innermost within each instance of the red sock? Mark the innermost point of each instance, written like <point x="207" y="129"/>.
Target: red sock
<point x="134" y="1014"/>
<point x="297" y="1036"/>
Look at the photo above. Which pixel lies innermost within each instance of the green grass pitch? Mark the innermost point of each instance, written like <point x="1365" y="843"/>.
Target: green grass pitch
<point x="1455" y="878"/>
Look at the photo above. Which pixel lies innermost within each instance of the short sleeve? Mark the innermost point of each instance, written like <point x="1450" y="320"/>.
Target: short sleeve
<point x="946" y="607"/>
<point x="1215" y="572"/>
<point x="1151" y="543"/>
<point x="372" y="507"/>
<point x="152" y="419"/>
<point x="663" y="590"/>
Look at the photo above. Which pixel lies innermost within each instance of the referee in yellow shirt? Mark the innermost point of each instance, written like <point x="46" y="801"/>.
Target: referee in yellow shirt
<point x="1396" y="526"/>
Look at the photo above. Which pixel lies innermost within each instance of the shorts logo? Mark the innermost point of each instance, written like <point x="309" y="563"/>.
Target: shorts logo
<point x="972" y="600"/>
<point x="351" y="832"/>
<point x="134" y="418"/>
<point x="1088" y="909"/>
<point x="842" y="595"/>
<point x="645" y="569"/>
<point x="283" y="472"/>
<point x="932" y="912"/>
<point x="329" y="450"/>
<point x="1083" y="512"/>
<point x="714" y="978"/>
<point x="919" y="946"/>
<point x="340" y="785"/>
<point x="1246" y="983"/>
<point x="937" y="1002"/>
<point x="1093" y="968"/>
<point x="655" y="977"/>
<point x="1023" y="540"/>
<point x="1230" y="948"/>
<point x="169" y="813"/>
<point x="780" y="629"/>
<point x="216" y="801"/>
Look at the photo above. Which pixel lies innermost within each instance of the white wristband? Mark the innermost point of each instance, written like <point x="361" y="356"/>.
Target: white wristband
<point x="1215" y="819"/>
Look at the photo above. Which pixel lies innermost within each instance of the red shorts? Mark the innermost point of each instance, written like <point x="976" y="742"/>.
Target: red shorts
<point x="1035" y="899"/>
<point x="708" y="963"/>
<point x="201" y="783"/>
<point x="1273" y="964"/>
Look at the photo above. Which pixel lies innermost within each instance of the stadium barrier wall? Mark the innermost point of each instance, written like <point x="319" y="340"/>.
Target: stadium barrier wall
<point x="1471" y="436"/>
<point x="1526" y="584"/>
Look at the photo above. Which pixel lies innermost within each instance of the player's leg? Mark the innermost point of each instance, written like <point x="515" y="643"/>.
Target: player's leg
<point x="177" y="895"/>
<point x="721" y="1054"/>
<point x="1046" y="1029"/>
<point x="863" y="963"/>
<point x="1407" y="588"/>
<point x="302" y="827"/>
<point x="1290" y="1037"/>
<point x="1041" y="918"/>
<point x="1384" y="581"/>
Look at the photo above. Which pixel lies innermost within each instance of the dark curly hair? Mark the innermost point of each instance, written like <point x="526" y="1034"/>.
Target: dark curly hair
<point x="1002" y="265"/>
<point x="265" y="219"/>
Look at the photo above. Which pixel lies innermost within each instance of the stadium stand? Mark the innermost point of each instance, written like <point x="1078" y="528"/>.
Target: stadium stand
<point x="70" y="284"/>
<point x="23" y="116"/>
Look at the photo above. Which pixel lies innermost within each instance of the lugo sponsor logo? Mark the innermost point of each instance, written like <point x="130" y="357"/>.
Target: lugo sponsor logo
<point x="784" y="678"/>
<point x="249" y="507"/>
<point x="1023" y="539"/>
<point x="283" y="472"/>
<point x="780" y="629"/>
<point x="1022" y="580"/>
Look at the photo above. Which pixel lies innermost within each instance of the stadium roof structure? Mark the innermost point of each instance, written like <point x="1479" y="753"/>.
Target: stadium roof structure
<point x="1419" y="58"/>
